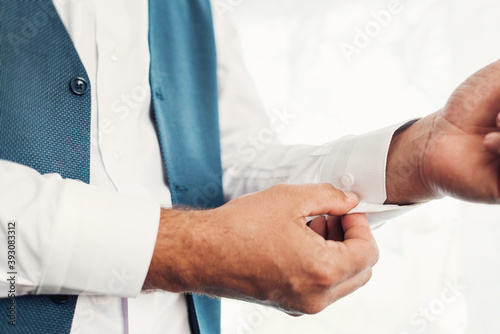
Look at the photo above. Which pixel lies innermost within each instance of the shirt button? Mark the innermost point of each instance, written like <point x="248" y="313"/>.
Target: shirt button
<point x="78" y="86"/>
<point x="347" y="180"/>
<point x="114" y="55"/>
<point x="117" y="155"/>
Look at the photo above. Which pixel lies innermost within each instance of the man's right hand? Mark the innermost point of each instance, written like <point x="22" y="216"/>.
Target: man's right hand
<point x="258" y="248"/>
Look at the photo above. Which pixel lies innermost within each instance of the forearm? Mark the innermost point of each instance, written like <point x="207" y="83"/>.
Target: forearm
<point x="178" y="247"/>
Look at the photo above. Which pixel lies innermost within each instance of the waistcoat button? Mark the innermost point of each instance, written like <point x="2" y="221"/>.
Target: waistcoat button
<point x="78" y="86"/>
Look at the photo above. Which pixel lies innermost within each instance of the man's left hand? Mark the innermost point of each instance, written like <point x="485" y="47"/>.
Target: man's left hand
<point x="455" y="151"/>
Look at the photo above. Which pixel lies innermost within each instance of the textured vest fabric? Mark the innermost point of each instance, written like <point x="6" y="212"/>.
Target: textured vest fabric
<point x="37" y="64"/>
<point x="45" y="124"/>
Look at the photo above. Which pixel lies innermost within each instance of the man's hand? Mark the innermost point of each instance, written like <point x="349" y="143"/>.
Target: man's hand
<point x="450" y="152"/>
<point x="258" y="248"/>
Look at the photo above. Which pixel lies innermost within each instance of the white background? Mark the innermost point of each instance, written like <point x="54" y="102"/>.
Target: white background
<point x="293" y="52"/>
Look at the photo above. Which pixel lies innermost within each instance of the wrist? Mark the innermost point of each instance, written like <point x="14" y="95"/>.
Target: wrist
<point x="407" y="175"/>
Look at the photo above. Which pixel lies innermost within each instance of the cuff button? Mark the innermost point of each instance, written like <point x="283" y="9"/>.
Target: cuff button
<point x="347" y="180"/>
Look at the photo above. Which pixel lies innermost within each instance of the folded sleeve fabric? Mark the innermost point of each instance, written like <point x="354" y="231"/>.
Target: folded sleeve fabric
<point x="353" y="163"/>
<point x="74" y="238"/>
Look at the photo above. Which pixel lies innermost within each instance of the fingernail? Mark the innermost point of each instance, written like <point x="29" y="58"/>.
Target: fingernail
<point x="351" y="195"/>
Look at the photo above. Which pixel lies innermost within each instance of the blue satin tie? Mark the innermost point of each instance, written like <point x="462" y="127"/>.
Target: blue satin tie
<point x="45" y="121"/>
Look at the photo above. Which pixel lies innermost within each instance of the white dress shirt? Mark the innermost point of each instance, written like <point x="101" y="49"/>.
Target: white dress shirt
<point x="97" y="240"/>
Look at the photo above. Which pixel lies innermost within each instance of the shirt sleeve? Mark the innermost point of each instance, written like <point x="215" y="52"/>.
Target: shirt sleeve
<point x="254" y="159"/>
<point x="66" y="235"/>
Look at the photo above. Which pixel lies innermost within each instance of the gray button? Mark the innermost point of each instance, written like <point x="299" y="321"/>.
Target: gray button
<point x="59" y="299"/>
<point x="78" y="86"/>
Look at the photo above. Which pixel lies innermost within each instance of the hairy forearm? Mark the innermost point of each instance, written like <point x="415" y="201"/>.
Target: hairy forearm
<point x="171" y="267"/>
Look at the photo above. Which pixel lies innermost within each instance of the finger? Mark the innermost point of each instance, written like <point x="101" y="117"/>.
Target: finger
<point x="358" y="252"/>
<point x="324" y="298"/>
<point x="356" y="227"/>
<point x="318" y="301"/>
<point x="349" y="286"/>
<point x="318" y="225"/>
<point x="319" y="199"/>
<point x="335" y="230"/>
<point x="295" y="314"/>
<point x="492" y="142"/>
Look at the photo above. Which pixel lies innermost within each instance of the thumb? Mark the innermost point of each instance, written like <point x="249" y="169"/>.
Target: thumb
<point x="323" y="198"/>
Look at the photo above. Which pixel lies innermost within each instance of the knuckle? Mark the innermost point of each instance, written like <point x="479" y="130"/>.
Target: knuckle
<point x="327" y="277"/>
<point x="375" y="254"/>
<point x="367" y="275"/>
<point x="276" y="187"/>
<point x="329" y="188"/>
<point x="314" y="307"/>
<point x="370" y="256"/>
<point x="332" y="193"/>
<point x="294" y="285"/>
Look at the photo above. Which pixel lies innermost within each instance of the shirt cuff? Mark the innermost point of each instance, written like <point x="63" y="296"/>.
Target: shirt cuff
<point x="358" y="164"/>
<point x="102" y="243"/>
